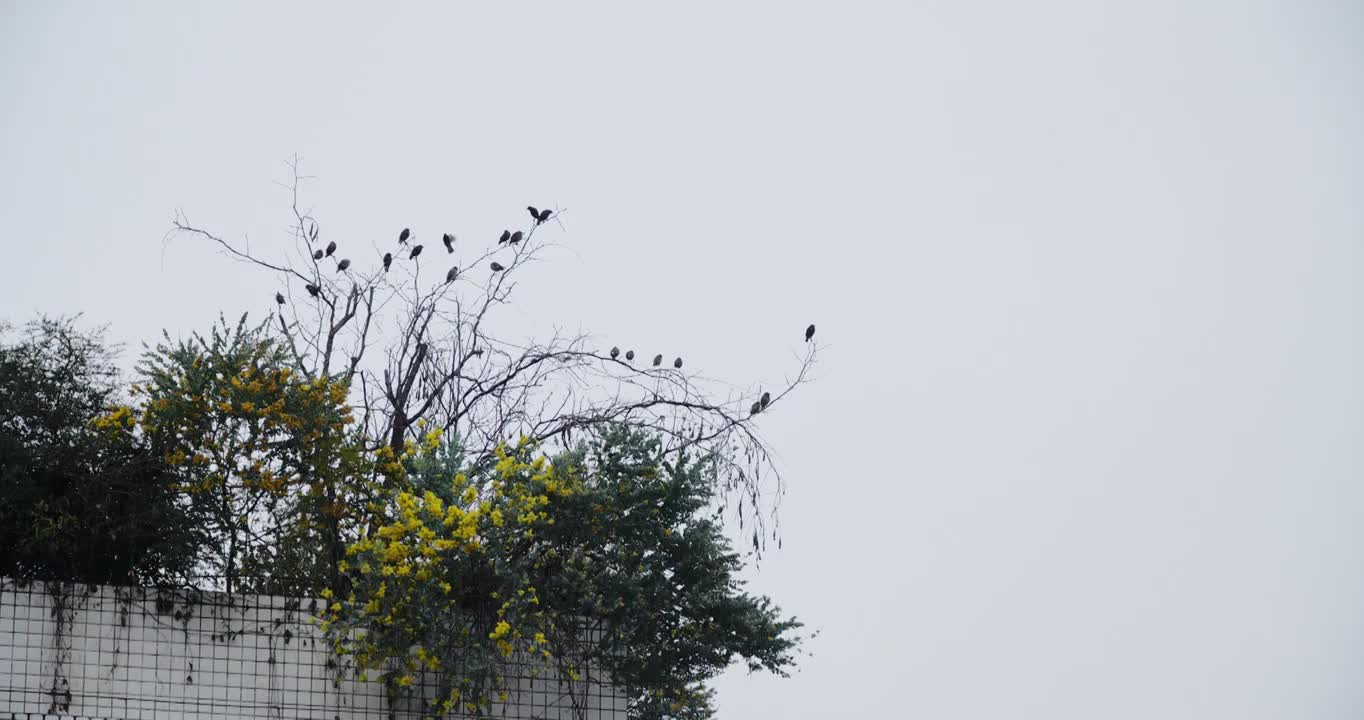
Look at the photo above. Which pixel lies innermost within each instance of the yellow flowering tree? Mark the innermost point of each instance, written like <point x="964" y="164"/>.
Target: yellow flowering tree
<point x="262" y="454"/>
<point x="603" y="558"/>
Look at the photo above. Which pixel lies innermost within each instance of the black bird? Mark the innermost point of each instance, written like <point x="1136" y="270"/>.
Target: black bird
<point x="331" y="248"/>
<point x="658" y="359"/>
<point x="449" y="241"/>
<point x="678" y="363"/>
<point x="450" y="276"/>
<point x="629" y="355"/>
<point x="809" y="332"/>
<point x="756" y="408"/>
<point x="615" y="353"/>
<point x="766" y="398"/>
<point x="534" y="214"/>
<point x="313" y="289"/>
<point x="279" y="298"/>
<point x="403" y="236"/>
<point x="416" y="250"/>
<point x="388" y="260"/>
<point x="317" y="255"/>
<point x="515" y="238"/>
<point x="497" y="267"/>
<point x="341" y="266"/>
<point x="506" y="235"/>
<point x="543" y="216"/>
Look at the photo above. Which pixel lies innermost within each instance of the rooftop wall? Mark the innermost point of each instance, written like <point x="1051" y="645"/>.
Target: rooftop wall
<point x="127" y="653"/>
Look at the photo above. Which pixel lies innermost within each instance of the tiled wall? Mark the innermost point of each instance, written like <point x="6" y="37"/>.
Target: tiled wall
<point x="139" y="654"/>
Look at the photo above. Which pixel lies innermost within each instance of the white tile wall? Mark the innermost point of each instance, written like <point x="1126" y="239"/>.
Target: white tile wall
<point x="122" y="655"/>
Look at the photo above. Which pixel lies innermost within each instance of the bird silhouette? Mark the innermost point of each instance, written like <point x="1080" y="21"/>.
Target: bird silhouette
<point x="331" y="248"/>
<point x="279" y="298"/>
<point x="615" y="353"/>
<point x="416" y="250"/>
<point x="449" y="241"/>
<point x="809" y="332"/>
<point x="766" y="398"/>
<point x="450" y="276"/>
<point x="317" y="255"/>
<point x="543" y="216"/>
<point x="658" y="359"/>
<point x="341" y="266"/>
<point x="515" y="238"/>
<point x="497" y="267"/>
<point x="629" y="355"/>
<point x="388" y="260"/>
<point x="403" y="236"/>
<point x="506" y="235"/>
<point x="677" y="363"/>
<point x="313" y="289"/>
<point x="534" y="214"/>
<point x="755" y="408"/>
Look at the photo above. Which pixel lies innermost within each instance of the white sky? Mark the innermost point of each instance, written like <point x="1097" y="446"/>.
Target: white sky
<point x="1087" y="438"/>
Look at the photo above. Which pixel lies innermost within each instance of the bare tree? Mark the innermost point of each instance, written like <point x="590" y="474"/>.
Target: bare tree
<point x="415" y="345"/>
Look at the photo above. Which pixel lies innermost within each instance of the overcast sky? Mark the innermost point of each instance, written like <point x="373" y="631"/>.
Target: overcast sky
<point x="1087" y="433"/>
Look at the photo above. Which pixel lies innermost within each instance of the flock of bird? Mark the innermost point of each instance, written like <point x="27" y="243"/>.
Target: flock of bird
<point x="758" y="406"/>
<point x="508" y="238"/>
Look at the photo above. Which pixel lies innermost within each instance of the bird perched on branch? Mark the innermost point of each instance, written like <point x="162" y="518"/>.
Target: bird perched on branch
<point x="677" y="363"/>
<point x="331" y="248"/>
<point x="755" y="408"/>
<point x="313" y="289"/>
<point x="515" y="238"/>
<point x="403" y="236"/>
<point x="629" y="355"/>
<point x="765" y="399"/>
<point x="388" y="260"/>
<point x="542" y="217"/>
<point x="279" y="298"/>
<point x="450" y="276"/>
<point x="506" y="235"/>
<point x="449" y="241"/>
<point x="534" y="214"/>
<point x="658" y="359"/>
<point x="615" y="351"/>
<point x="341" y="266"/>
<point x="809" y="332"/>
<point x="317" y="255"/>
<point x="416" y="250"/>
<point x="497" y="267"/>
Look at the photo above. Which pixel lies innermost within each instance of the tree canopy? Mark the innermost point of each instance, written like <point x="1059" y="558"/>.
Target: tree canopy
<point x="464" y="503"/>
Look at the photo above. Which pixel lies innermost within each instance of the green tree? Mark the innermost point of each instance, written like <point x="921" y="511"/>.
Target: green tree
<point x="82" y="496"/>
